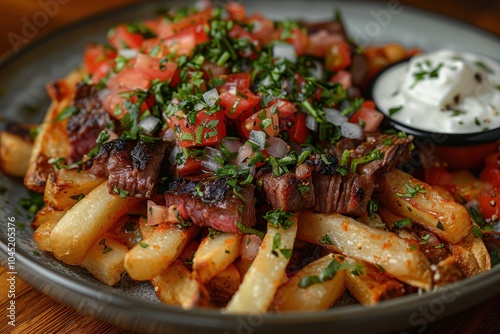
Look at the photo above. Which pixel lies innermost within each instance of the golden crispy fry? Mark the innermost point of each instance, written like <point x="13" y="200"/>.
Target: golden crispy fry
<point x="316" y="297"/>
<point x="52" y="138"/>
<point x="175" y="286"/>
<point x="154" y="254"/>
<point x="67" y="186"/>
<point x="352" y="238"/>
<point x="373" y="286"/>
<point x="81" y="227"/>
<point x="224" y="285"/>
<point x="45" y="214"/>
<point x="15" y="153"/>
<point x="105" y="260"/>
<point x="42" y="235"/>
<point x="471" y="255"/>
<point x="187" y="254"/>
<point x="260" y="283"/>
<point x="447" y="219"/>
<point x="214" y="254"/>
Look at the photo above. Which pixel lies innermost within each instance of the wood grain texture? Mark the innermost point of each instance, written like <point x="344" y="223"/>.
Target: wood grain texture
<point x="37" y="313"/>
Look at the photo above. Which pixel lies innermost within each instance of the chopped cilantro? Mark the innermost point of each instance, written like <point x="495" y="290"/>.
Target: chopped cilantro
<point x="66" y="113"/>
<point x="279" y="218"/>
<point x="394" y="110"/>
<point x="412" y="191"/>
<point x="403" y="223"/>
<point x="326" y="240"/>
<point x="121" y="192"/>
<point x="329" y="273"/>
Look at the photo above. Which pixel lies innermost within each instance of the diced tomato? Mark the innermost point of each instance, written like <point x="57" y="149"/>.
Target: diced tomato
<point x="263" y="30"/>
<point x="121" y="38"/>
<point x="285" y="108"/>
<point x="128" y="79"/>
<point x="319" y="42"/>
<point x="236" y="11"/>
<point x="465" y="157"/>
<point x="185" y="41"/>
<point x="235" y="104"/>
<point x="435" y="175"/>
<point x="153" y="24"/>
<point x="189" y="166"/>
<point x="151" y="68"/>
<point x="206" y="131"/>
<point x="240" y="80"/>
<point x="262" y="121"/>
<point x="344" y="78"/>
<point x="96" y="55"/>
<point x="491" y="175"/>
<point x="299" y="40"/>
<point x="489" y="203"/>
<point x="299" y="132"/>
<point x="338" y="56"/>
<point x="368" y="104"/>
<point x="168" y="29"/>
<point x="370" y="117"/>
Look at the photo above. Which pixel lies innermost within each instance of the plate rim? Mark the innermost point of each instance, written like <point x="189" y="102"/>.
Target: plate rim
<point x="215" y="315"/>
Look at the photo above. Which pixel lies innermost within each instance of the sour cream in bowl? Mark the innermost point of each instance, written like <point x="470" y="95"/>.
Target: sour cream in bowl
<point x="451" y="98"/>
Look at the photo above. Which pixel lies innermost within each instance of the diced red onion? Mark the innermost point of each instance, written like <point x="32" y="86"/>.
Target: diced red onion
<point x="210" y="166"/>
<point x="169" y="135"/>
<point x="128" y="53"/>
<point x="284" y="51"/>
<point x="156" y="213"/>
<point x="317" y="71"/>
<point x="232" y="145"/>
<point x="172" y="158"/>
<point x="208" y="163"/>
<point x="211" y="97"/>
<point x="258" y="137"/>
<point x="311" y="123"/>
<point x="249" y="246"/>
<point x="149" y="124"/>
<point x="335" y="117"/>
<point x="244" y="152"/>
<point x="351" y="130"/>
<point x="278" y="148"/>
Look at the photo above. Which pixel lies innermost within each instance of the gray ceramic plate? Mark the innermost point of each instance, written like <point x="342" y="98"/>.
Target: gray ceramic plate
<point x="134" y="306"/>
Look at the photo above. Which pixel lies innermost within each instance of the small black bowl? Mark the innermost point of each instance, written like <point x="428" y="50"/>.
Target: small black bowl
<point x="458" y="150"/>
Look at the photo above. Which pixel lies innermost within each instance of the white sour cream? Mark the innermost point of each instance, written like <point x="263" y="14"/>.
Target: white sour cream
<point x="444" y="91"/>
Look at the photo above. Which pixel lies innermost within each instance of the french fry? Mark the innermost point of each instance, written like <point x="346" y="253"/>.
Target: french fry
<point x="146" y="230"/>
<point x="79" y="229"/>
<point x="175" y="286"/>
<point x="15" y="153"/>
<point x="67" y="186"/>
<point x="373" y="286"/>
<point x="316" y="297"/>
<point x="260" y="283"/>
<point x="187" y="254"/>
<point x="224" y="285"/>
<point x="42" y="235"/>
<point x="52" y="139"/>
<point x="154" y="254"/>
<point x="352" y="238"/>
<point x="447" y="219"/>
<point x="471" y="255"/>
<point x="47" y="213"/>
<point x="214" y="254"/>
<point x="105" y="260"/>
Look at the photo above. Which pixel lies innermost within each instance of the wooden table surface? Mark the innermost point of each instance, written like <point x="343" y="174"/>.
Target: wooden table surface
<point x="36" y="313"/>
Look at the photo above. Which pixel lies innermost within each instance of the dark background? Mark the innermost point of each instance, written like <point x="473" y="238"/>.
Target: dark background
<point x="38" y="313"/>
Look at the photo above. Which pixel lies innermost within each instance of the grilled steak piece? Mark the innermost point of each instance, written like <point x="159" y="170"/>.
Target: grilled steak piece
<point x="395" y="150"/>
<point x="291" y="192"/>
<point x="211" y="202"/>
<point x="347" y="194"/>
<point x="84" y="127"/>
<point x="132" y="166"/>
